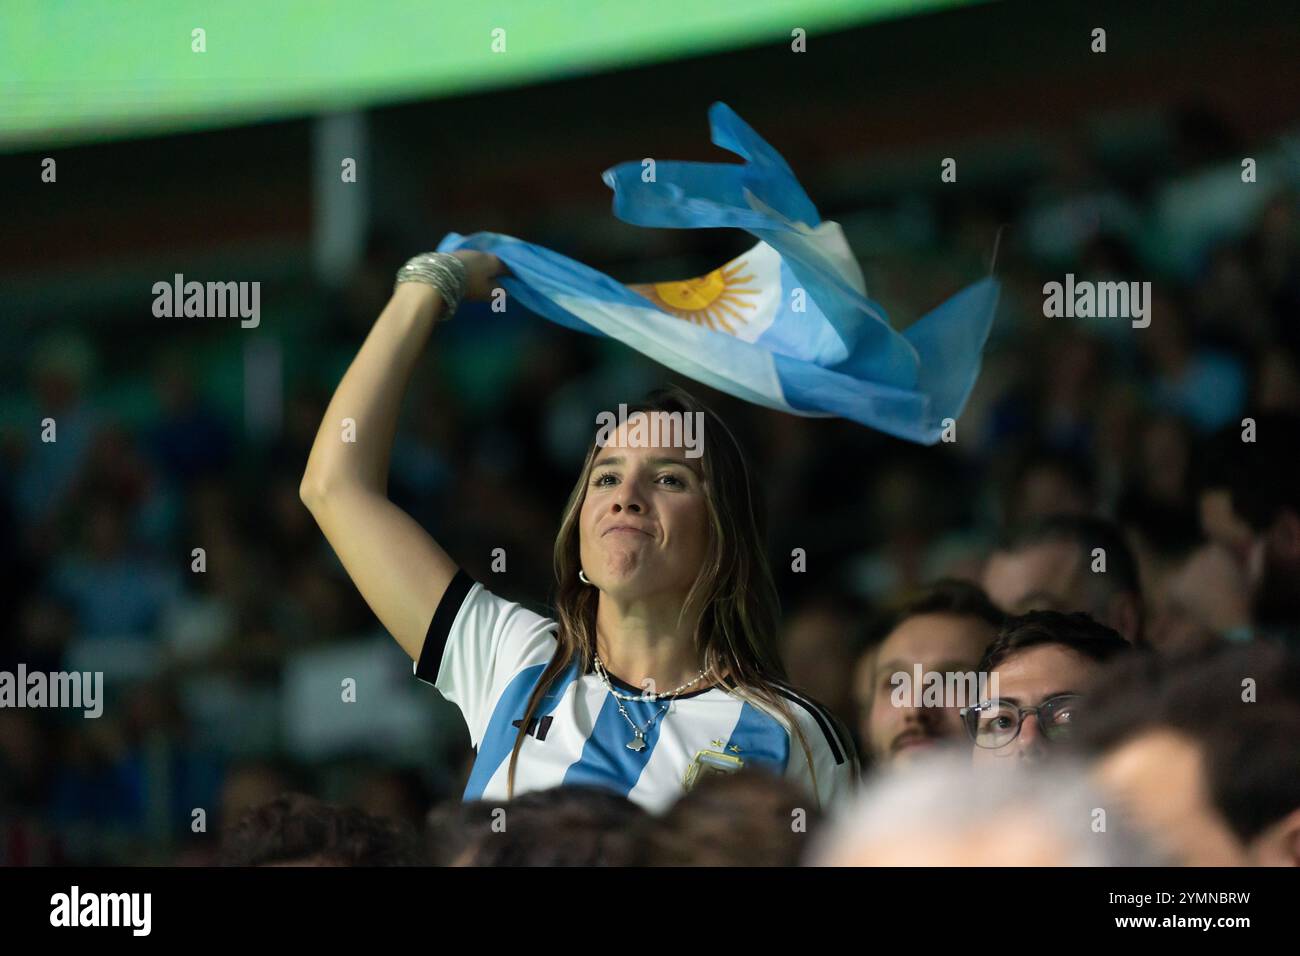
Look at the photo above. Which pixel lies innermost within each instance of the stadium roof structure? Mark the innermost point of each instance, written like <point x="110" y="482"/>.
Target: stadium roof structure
<point x="92" y="70"/>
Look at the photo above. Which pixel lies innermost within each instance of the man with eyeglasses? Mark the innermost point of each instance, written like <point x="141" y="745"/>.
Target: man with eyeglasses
<point x="1043" y="662"/>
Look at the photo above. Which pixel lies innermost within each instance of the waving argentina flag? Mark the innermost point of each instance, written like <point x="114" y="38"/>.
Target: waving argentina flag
<point x="787" y="325"/>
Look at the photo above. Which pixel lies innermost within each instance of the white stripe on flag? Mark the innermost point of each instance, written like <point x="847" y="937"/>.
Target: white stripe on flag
<point x="714" y="358"/>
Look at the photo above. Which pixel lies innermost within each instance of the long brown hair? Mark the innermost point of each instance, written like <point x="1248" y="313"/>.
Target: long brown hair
<point x="733" y="599"/>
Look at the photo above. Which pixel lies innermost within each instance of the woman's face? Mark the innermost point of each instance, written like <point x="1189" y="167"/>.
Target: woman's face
<point x="643" y="527"/>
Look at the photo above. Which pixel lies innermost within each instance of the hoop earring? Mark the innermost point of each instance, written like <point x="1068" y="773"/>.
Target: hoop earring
<point x="582" y="576"/>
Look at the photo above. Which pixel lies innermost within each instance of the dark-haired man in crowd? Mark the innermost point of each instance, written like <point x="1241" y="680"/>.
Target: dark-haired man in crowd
<point x="1250" y="507"/>
<point x="1204" y="752"/>
<point x="944" y="630"/>
<point x="1049" y="565"/>
<point x="1040" y="669"/>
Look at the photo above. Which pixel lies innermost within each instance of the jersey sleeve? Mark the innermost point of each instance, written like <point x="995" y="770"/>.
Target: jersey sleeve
<point x="476" y="643"/>
<point x="835" y="768"/>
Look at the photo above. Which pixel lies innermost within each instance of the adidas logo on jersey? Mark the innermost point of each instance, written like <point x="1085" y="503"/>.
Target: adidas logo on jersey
<point x="536" y="728"/>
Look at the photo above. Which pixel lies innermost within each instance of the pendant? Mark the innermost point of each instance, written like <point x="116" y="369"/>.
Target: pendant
<point x="636" y="743"/>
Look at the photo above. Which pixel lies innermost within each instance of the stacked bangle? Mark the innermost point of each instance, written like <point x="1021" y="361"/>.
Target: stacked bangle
<point x="443" y="271"/>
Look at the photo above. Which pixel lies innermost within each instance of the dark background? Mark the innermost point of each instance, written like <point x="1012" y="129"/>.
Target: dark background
<point x="183" y="433"/>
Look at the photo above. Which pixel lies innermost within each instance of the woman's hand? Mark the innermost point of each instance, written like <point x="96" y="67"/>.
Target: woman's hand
<point x="481" y="269"/>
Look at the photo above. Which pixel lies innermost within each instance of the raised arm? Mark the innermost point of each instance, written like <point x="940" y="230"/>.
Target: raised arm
<point x="396" y="565"/>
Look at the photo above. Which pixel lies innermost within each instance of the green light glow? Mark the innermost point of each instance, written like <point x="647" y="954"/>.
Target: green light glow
<point x="84" y="70"/>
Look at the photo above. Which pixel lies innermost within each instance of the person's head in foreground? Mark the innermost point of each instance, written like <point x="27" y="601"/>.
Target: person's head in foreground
<point x="298" y="830"/>
<point x="1250" y="505"/>
<point x="563" y="826"/>
<point x="944" y="630"/>
<point x="940" y="810"/>
<point x="1204" y="752"/>
<point x="1069" y="563"/>
<point x="1039" y="669"/>
<point x="750" y="818"/>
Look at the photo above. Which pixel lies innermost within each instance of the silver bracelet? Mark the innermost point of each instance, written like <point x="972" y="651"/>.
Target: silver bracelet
<point x="443" y="271"/>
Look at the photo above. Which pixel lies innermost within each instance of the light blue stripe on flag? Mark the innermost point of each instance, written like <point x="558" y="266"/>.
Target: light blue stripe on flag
<point x="787" y="325"/>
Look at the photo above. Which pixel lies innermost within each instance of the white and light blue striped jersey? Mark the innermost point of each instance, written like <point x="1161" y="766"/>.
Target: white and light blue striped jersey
<point x="486" y="654"/>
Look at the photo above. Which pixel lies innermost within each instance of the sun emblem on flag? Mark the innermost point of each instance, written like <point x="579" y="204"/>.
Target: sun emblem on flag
<point x="715" y="299"/>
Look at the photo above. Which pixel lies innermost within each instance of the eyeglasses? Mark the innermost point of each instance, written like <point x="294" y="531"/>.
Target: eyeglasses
<point x="994" y="724"/>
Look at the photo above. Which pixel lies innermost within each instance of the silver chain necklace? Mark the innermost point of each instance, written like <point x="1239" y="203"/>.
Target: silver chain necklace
<point x="647" y="695"/>
<point x="637" y="742"/>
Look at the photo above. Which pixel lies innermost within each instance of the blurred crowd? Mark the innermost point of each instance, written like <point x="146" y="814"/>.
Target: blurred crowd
<point x="1119" y="757"/>
<point x="160" y="539"/>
